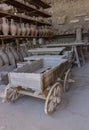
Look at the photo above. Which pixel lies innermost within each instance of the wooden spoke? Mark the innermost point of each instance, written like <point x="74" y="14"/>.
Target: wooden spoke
<point x="53" y="98"/>
<point x="11" y="94"/>
<point x="67" y="79"/>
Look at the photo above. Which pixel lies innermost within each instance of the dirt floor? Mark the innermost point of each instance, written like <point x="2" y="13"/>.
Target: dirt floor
<point x="28" y="113"/>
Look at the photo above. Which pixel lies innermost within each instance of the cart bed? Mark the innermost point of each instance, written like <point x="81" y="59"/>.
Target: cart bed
<point x="39" y="74"/>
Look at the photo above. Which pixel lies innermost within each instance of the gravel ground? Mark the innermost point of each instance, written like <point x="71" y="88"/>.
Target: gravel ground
<point x="28" y="113"/>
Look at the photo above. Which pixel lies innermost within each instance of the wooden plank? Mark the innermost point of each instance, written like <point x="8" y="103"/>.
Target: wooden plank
<point x="64" y="44"/>
<point x="26" y="80"/>
<point x="29" y="68"/>
<point x="37" y="95"/>
<point x="47" y="50"/>
<point x="37" y="57"/>
<point x="42" y="70"/>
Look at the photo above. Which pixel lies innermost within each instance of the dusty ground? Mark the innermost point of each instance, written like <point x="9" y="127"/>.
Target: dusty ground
<point x="28" y="113"/>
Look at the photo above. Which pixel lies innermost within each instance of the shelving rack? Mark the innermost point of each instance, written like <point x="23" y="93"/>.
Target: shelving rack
<point x="40" y="3"/>
<point x="22" y="18"/>
<point x="32" y="10"/>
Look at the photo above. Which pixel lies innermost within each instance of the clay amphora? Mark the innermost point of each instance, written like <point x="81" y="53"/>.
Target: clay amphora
<point x="1" y="62"/>
<point x="18" y="29"/>
<point x="4" y="57"/>
<point x="23" y="53"/>
<point x="40" y="31"/>
<point x="27" y="29"/>
<point x="23" y="29"/>
<point x="13" y="29"/>
<point x="5" y="26"/>
<point x="14" y="52"/>
<point x="21" y="58"/>
<point x="11" y="57"/>
<point x="36" y="31"/>
<point x="33" y="30"/>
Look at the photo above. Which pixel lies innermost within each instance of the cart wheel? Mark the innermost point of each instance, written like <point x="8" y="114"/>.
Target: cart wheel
<point x="11" y="94"/>
<point x="67" y="80"/>
<point x="53" y="98"/>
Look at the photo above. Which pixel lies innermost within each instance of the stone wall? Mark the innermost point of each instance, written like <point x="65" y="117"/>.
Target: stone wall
<point x="70" y="14"/>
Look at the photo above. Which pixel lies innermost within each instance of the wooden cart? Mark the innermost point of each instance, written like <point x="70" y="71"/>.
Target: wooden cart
<point x="42" y="79"/>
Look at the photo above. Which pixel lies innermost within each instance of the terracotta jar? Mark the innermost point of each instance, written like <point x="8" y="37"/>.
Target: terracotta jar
<point x="27" y="29"/>
<point x="40" y="31"/>
<point x="4" y="57"/>
<point x="10" y="56"/>
<point x="18" y="29"/>
<point x="36" y="31"/>
<point x="23" y="29"/>
<point x="0" y="26"/>
<point x="51" y="31"/>
<point x="13" y="29"/>
<point x="4" y="7"/>
<point x="23" y="53"/>
<point x="14" y="52"/>
<point x="21" y="58"/>
<point x="26" y="51"/>
<point x="5" y="26"/>
<point x="46" y="31"/>
<point x="33" y="30"/>
<point x="43" y="31"/>
<point x="1" y="62"/>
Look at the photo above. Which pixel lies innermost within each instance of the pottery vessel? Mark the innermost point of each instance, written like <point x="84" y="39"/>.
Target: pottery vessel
<point x="40" y="31"/>
<point x="0" y="26"/>
<point x="11" y="57"/>
<point x="4" y="7"/>
<point x="33" y="30"/>
<point x="36" y="31"/>
<point x="23" y="53"/>
<point x="18" y="29"/>
<point x="23" y="29"/>
<point x="28" y="29"/>
<point x="21" y="58"/>
<point x="5" y="26"/>
<point x="1" y="62"/>
<point x="13" y="28"/>
<point x="4" y="57"/>
<point x="46" y="31"/>
<point x="14" y="52"/>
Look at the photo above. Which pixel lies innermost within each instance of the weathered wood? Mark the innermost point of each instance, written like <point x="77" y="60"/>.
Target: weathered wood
<point x="74" y="46"/>
<point x="29" y="68"/>
<point x="37" y="57"/>
<point x="47" y="50"/>
<point x="21" y="64"/>
<point x="53" y="98"/>
<point x="31" y="76"/>
<point x="79" y="34"/>
<point x="35" y="94"/>
<point x="64" y="44"/>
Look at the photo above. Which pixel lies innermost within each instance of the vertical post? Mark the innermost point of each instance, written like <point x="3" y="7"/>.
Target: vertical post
<point x="79" y="34"/>
<point x="17" y="43"/>
<point x="88" y="42"/>
<point x="79" y="49"/>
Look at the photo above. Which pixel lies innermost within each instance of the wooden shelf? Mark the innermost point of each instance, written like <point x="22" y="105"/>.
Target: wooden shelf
<point x="13" y="37"/>
<point x="22" y="19"/>
<point x="40" y="3"/>
<point x="26" y="19"/>
<point x="22" y="6"/>
<point x="72" y="35"/>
